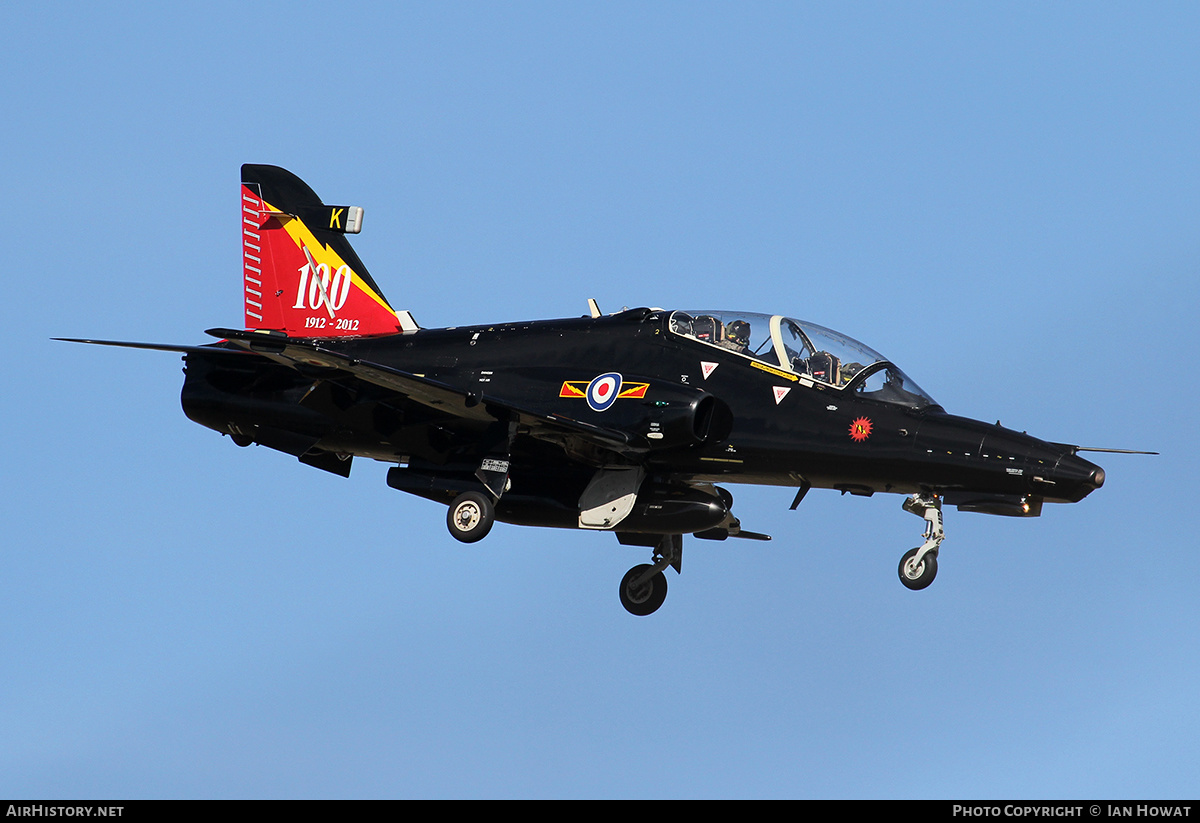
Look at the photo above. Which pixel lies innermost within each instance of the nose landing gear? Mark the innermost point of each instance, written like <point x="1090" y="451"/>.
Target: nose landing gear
<point x="917" y="574"/>
<point x="918" y="567"/>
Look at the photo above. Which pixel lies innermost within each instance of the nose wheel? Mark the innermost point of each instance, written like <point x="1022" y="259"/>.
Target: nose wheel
<point x="915" y="573"/>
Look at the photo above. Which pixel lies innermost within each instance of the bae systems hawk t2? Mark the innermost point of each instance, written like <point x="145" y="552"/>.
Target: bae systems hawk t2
<point x="629" y="423"/>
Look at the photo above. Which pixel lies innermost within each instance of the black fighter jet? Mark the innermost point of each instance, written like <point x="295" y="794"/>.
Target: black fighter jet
<point x="629" y="423"/>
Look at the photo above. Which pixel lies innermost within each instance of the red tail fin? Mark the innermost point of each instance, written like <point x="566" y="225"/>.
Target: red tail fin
<point x="301" y="275"/>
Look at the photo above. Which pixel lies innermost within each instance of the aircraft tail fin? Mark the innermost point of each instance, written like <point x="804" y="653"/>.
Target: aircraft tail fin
<point x="300" y="273"/>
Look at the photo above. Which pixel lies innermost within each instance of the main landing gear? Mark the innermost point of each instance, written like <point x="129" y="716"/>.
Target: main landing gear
<point x="918" y="567"/>
<point x="471" y="516"/>
<point x="644" y="587"/>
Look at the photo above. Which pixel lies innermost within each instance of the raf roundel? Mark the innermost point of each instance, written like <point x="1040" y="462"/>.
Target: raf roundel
<point x="603" y="390"/>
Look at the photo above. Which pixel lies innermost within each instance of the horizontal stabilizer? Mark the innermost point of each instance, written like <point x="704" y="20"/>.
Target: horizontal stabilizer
<point x="209" y="349"/>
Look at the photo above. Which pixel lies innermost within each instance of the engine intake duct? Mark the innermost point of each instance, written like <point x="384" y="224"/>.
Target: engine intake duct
<point x="688" y="422"/>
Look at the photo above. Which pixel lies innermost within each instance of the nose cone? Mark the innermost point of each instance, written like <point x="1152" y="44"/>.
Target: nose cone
<point x="1075" y="478"/>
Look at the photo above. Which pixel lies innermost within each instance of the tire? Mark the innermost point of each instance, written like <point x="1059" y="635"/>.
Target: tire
<point x="470" y="517"/>
<point x="921" y="576"/>
<point x="646" y="599"/>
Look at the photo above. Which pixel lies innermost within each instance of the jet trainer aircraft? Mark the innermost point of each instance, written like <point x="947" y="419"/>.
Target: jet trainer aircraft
<point x="626" y="423"/>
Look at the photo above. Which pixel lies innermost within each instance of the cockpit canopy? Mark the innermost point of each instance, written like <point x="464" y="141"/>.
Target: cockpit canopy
<point x="813" y="353"/>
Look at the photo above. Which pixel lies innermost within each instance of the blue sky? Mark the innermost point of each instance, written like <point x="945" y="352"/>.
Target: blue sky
<point x="1002" y="198"/>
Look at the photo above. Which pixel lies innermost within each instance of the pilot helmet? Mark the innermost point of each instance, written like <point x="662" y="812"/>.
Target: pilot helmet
<point x="738" y="332"/>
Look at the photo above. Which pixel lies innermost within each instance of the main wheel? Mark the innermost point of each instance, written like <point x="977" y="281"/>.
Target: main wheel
<point x="917" y="576"/>
<point x="646" y="598"/>
<point x="470" y="517"/>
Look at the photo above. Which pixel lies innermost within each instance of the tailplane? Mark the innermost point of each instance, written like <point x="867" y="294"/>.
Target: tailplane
<point x="301" y="276"/>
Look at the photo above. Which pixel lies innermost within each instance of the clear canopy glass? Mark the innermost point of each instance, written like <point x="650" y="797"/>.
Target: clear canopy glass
<point x="805" y="349"/>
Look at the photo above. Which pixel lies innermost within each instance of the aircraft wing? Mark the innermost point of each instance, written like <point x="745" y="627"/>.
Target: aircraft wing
<point x="434" y="394"/>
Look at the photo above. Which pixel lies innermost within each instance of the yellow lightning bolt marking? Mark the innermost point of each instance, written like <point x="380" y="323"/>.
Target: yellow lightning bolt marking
<point x="303" y="237"/>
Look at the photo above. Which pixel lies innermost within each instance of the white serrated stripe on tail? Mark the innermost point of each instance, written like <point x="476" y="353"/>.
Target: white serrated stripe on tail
<point x="252" y="220"/>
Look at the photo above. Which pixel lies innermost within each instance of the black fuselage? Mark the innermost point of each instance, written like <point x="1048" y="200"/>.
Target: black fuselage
<point x="705" y="414"/>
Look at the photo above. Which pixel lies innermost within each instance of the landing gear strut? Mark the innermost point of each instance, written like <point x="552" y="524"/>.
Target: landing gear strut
<point x="644" y="587"/>
<point x="918" y="567"/>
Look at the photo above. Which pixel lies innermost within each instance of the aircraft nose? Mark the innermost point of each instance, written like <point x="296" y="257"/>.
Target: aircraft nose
<point x="1075" y="478"/>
